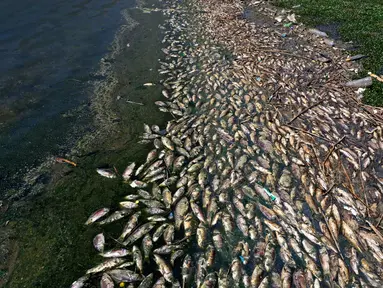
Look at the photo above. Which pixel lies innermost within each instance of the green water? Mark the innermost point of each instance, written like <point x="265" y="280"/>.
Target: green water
<point x="54" y="246"/>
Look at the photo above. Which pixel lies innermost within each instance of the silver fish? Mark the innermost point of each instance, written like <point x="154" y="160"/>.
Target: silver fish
<point x="108" y="173"/>
<point x="97" y="215"/>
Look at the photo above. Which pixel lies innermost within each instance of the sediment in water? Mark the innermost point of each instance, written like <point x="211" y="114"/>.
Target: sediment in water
<point x="267" y="175"/>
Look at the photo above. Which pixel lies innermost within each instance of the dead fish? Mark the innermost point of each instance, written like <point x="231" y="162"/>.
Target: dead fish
<point x="217" y="240"/>
<point x="201" y="235"/>
<point x="80" y="282"/>
<point x="167" y="143"/>
<point x="157" y="218"/>
<point x="269" y="257"/>
<point x="115" y="253"/>
<point x="169" y="182"/>
<point x="99" y="242"/>
<point x="242" y="225"/>
<point x="128" y="172"/>
<point x="210" y="256"/>
<point x="186" y="270"/>
<point x="159" y="232"/>
<point x="106" y="281"/>
<point x="160" y="283"/>
<point x="147" y="246"/>
<point x="268" y="213"/>
<point x="236" y="271"/>
<point x="167" y="249"/>
<point x="197" y="212"/>
<point x="256" y="275"/>
<point x="108" y="173"/>
<point x="324" y="260"/>
<point x="138" y="184"/>
<point x="155" y="211"/>
<point x="175" y="255"/>
<point x="97" y="215"/>
<point x="152" y="203"/>
<point x="169" y="234"/>
<point x="117" y="215"/>
<point x="144" y="194"/>
<point x="180" y="211"/>
<point x="165" y="269"/>
<point x="223" y="281"/>
<point x="137" y="257"/>
<point x="188" y="225"/>
<point x="343" y="275"/>
<point x="129" y="226"/>
<point x="126" y="264"/>
<point x="299" y="279"/>
<point x="108" y="264"/>
<point x="139" y="233"/>
<point x="210" y="281"/>
<point x="286" y="276"/>
<point x="129" y="204"/>
<point x="350" y="235"/>
<point x="119" y="275"/>
<point x="148" y="280"/>
<point x="201" y="271"/>
<point x="265" y="282"/>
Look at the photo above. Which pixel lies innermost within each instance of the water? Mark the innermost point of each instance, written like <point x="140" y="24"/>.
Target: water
<point x="72" y="93"/>
<point x="50" y="50"/>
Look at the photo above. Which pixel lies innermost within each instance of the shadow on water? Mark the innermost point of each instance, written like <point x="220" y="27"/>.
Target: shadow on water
<point x="47" y="234"/>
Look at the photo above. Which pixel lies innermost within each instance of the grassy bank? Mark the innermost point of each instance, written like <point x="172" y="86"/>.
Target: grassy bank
<point x="357" y="21"/>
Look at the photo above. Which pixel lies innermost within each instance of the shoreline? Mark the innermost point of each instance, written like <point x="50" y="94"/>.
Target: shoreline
<point x="250" y="125"/>
<point x="38" y="237"/>
<point x="257" y="187"/>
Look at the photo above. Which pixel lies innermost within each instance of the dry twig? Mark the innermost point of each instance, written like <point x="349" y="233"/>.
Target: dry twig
<point x="305" y="110"/>
<point x="332" y="149"/>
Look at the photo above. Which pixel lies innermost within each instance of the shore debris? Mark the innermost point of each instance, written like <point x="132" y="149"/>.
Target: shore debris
<point x="63" y="160"/>
<point x="318" y="33"/>
<point x="360" y="83"/>
<point x="377" y="77"/>
<point x="355" y="57"/>
<point x="137" y="103"/>
<point x="230" y="193"/>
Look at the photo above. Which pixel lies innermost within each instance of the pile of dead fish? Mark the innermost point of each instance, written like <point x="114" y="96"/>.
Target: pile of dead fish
<point x="233" y="193"/>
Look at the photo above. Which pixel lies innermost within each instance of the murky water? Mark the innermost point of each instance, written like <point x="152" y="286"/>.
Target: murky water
<point x="84" y="104"/>
<point x="50" y="52"/>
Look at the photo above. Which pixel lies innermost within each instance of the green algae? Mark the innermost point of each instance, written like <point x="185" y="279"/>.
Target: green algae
<point x="55" y="245"/>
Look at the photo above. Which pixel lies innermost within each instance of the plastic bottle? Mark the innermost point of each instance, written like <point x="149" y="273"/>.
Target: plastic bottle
<point x="360" y="83"/>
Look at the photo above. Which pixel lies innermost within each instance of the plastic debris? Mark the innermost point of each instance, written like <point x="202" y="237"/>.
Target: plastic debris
<point x="279" y="18"/>
<point x="329" y="42"/>
<point x="292" y="18"/>
<point x="377" y="77"/>
<point x="355" y="57"/>
<point x="318" y="32"/>
<point x="272" y="197"/>
<point x="360" y="83"/>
